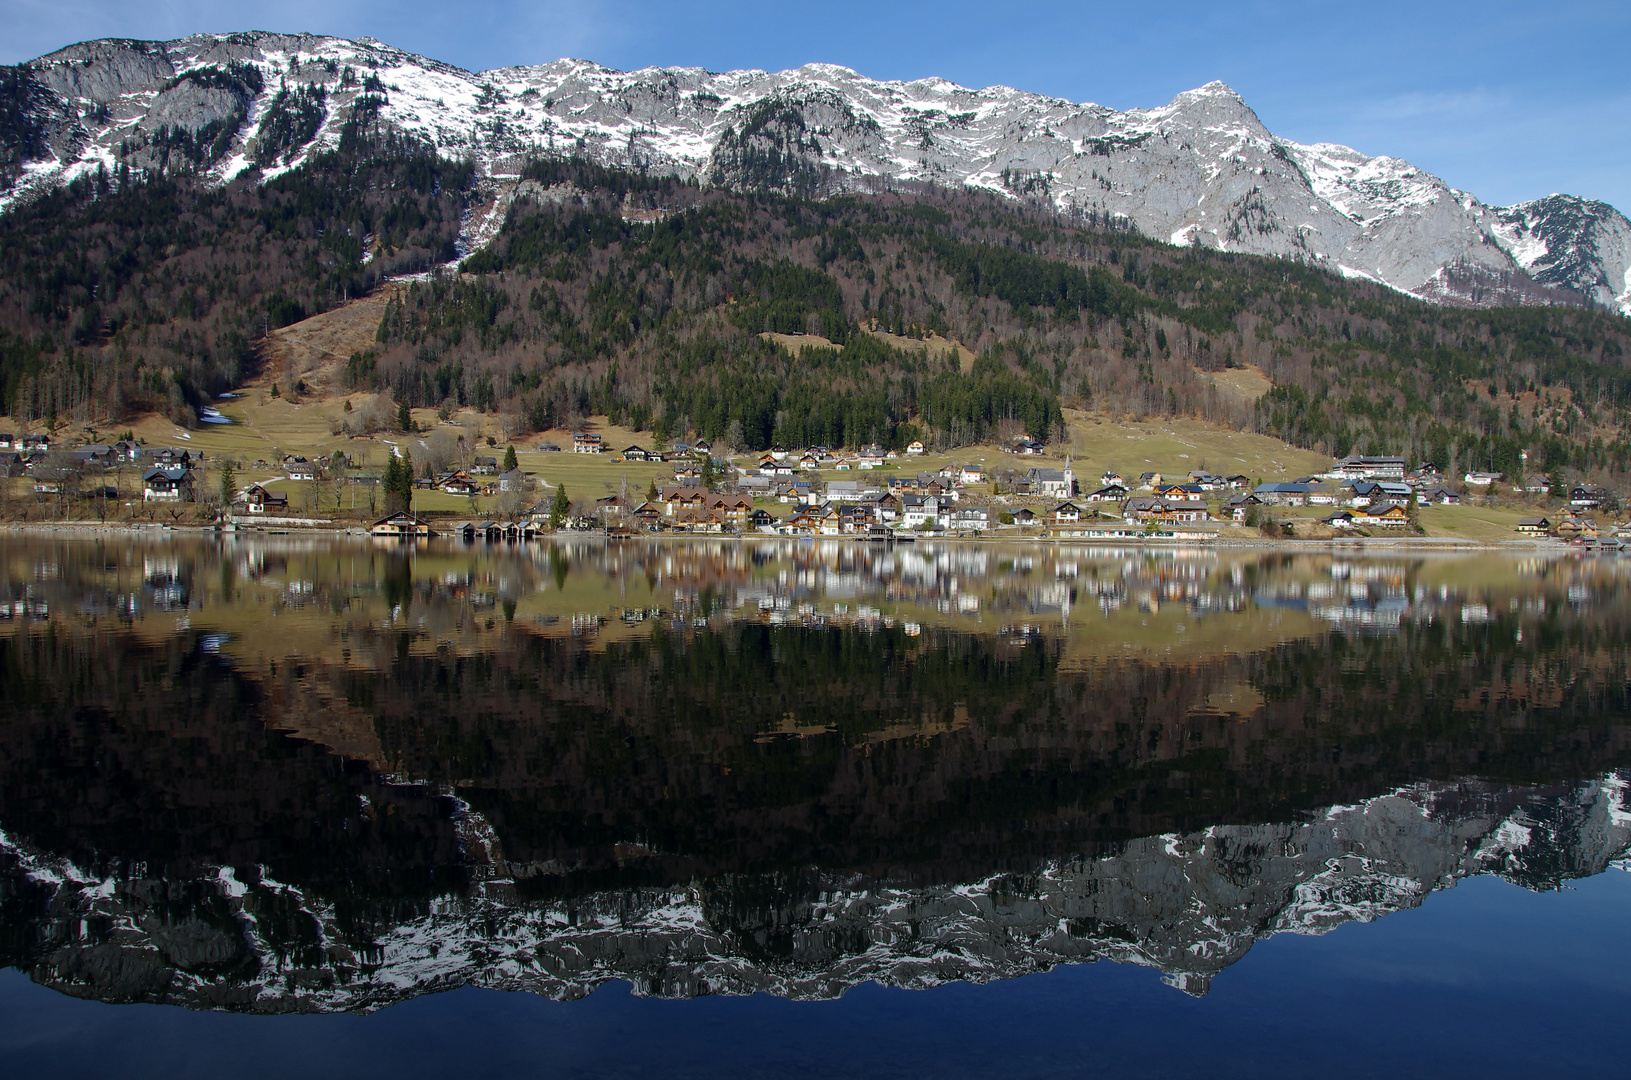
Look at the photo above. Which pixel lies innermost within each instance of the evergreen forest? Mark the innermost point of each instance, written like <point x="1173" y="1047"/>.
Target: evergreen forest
<point x="760" y="316"/>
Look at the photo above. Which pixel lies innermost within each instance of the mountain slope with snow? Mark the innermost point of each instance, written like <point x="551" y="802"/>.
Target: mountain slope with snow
<point x="1202" y="169"/>
<point x="1187" y="905"/>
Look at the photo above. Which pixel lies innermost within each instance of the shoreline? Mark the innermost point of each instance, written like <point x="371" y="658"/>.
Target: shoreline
<point x="312" y="528"/>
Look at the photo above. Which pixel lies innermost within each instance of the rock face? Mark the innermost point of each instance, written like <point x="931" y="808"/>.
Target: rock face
<point x="190" y="107"/>
<point x="1200" y="170"/>
<point x="1572" y="243"/>
<point x="1188" y="905"/>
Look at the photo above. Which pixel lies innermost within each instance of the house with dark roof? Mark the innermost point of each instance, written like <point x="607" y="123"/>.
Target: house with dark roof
<point x="1187" y="510"/>
<point x="402" y="525"/>
<point x="677" y="497"/>
<point x="1368" y="468"/>
<point x="1391" y="514"/>
<point x="1143" y="508"/>
<point x="1284" y="494"/>
<point x="259" y="500"/>
<point x="1587" y="497"/>
<point x="1108" y="493"/>
<point x="457" y="482"/>
<point x="1051" y="483"/>
<point x="167" y="485"/>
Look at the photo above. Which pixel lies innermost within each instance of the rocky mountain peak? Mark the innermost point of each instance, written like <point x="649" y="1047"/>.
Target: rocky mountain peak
<point x="1202" y="169"/>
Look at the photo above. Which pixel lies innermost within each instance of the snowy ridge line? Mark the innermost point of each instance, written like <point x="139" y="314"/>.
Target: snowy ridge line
<point x="1188" y="906"/>
<point x="1202" y="169"/>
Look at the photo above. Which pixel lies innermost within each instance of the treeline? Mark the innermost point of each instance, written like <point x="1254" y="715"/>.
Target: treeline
<point x="581" y="307"/>
<point x="651" y="300"/>
<point x="120" y="293"/>
<point x="577" y="287"/>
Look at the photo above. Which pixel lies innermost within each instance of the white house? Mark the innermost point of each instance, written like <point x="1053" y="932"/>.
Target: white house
<point x="167" y="485"/>
<point x="915" y="511"/>
<point x="1368" y="468"/>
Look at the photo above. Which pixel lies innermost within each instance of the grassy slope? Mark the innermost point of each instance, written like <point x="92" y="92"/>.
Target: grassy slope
<point x="267" y="427"/>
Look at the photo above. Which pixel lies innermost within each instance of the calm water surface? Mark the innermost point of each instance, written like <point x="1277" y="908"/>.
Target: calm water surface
<point x="285" y="807"/>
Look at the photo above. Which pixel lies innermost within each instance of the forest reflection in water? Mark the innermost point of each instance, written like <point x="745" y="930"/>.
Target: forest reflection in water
<point x="269" y="774"/>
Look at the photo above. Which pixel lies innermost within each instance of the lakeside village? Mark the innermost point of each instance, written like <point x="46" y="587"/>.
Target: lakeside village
<point x="870" y="493"/>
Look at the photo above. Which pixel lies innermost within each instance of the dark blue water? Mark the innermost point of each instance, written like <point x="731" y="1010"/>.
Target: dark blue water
<point x="263" y="802"/>
<point x="1486" y="979"/>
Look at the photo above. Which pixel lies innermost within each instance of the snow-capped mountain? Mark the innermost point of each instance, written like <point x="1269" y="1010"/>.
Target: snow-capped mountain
<point x="1188" y="905"/>
<point x="1200" y="170"/>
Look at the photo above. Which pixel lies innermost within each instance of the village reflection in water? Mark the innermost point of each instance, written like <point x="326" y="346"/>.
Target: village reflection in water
<point x="268" y="773"/>
<point x="589" y="587"/>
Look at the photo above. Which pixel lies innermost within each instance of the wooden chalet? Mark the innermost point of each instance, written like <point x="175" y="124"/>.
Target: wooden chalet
<point x="401" y="525"/>
<point x="259" y="500"/>
<point x="1393" y="515"/>
<point x="458" y="482"/>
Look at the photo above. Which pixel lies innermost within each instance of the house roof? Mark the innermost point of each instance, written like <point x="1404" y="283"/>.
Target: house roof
<point x="683" y="491"/>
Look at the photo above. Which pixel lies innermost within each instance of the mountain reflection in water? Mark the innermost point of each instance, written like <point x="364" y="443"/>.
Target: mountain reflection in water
<point x="274" y="775"/>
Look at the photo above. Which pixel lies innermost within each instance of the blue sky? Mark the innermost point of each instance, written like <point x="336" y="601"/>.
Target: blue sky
<point x="1510" y="101"/>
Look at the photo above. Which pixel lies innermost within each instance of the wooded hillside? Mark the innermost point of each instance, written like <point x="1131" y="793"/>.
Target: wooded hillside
<point x="645" y="298"/>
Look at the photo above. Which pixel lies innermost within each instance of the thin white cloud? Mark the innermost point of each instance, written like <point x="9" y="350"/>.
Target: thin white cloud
<point x="1447" y="105"/>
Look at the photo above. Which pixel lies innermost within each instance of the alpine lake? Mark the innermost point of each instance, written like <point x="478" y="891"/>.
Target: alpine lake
<point x="284" y="806"/>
